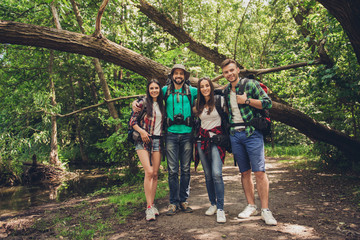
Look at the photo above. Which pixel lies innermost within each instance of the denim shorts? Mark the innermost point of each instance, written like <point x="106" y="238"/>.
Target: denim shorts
<point x="248" y="151"/>
<point x="155" y="145"/>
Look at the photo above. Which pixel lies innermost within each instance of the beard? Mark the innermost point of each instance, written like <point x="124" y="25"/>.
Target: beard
<point x="179" y="81"/>
<point x="233" y="79"/>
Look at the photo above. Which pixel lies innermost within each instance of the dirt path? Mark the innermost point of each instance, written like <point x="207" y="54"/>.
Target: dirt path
<point x="307" y="205"/>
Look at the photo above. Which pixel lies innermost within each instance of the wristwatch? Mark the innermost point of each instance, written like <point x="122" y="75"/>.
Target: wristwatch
<point x="247" y="101"/>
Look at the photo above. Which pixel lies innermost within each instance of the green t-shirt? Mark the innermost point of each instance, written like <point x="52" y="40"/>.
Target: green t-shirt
<point x="180" y="105"/>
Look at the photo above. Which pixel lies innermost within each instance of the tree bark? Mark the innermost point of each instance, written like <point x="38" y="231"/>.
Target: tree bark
<point x="24" y="34"/>
<point x="347" y="12"/>
<point x="54" y="156"/>
<point x="97" y="32"/>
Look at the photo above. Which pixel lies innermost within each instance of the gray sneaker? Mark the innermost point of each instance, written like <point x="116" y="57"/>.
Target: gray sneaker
<point x="185" y="207"/>
<point x="150" y="215"/>
<point x="171" y="209"/>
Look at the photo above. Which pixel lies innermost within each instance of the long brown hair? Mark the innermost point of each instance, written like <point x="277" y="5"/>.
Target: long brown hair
<point x="200" y="103"/>
<point x="149" y="99"/>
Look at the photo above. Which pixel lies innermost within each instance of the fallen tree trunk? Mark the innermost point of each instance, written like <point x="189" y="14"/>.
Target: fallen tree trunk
<point x="62" y="40"/>
<point x="30" y="35"/>
<point x="315" y="130"/>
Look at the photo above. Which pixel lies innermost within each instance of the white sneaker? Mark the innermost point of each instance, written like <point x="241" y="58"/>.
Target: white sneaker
<point x="248" y="211"/>
<point x="155" y="210"/>
<point x="211" y="211"/>
<point x="150" y="215"/>
<point x="220" y="216"/>
<point x="267" y="216"/>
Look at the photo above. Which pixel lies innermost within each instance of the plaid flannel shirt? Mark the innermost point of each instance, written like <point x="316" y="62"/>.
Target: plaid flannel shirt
<point x="147" y="123"/>
<point x="253" y="91"/>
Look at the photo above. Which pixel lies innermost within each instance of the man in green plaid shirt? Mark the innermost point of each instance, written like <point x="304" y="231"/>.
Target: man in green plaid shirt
<point x="247" y="142"/>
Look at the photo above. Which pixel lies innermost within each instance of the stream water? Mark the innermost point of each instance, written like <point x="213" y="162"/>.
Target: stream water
<point x="14" y="199"/>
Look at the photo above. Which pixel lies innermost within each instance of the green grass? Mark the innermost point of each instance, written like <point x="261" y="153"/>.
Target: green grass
<point x="286" y="151"/>
<point x="299" y="156"/>
<point x="89" y="220"/>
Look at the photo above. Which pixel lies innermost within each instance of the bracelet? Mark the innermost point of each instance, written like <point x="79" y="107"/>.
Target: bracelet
<point x="247" y="101"/>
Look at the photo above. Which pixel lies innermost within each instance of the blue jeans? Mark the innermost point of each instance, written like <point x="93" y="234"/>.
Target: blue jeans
<point x="213" y="176"/>
<point x="248" y="151"/>
<point x="179" y="147"/>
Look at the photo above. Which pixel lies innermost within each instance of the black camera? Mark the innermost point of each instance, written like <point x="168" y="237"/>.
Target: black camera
<point x="179" y="119"/>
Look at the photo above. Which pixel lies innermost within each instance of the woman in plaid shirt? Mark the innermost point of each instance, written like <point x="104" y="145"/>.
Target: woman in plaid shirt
<point x="148" y="122"/>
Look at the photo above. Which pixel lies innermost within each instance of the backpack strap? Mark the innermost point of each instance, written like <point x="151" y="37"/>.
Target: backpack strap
<point x="188" y="94"/>
<point x="218" y="106"/>
<point x="170" y="90"/>
<point x="224" y="117"/>
<point x="226" y="92"/>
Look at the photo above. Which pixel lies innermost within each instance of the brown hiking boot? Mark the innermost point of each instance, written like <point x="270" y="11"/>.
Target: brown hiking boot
<point x="185" y="207"/>
<point x="171" y="210"/>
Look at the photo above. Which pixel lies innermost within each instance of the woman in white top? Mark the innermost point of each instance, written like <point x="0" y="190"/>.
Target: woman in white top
<point x="148" y="122"/>
<point x="211" y="155"/>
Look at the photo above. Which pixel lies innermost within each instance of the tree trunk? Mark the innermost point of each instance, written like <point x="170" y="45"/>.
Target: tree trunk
<point x="314" y="130"/>
<point x="54" y="157"/>
<point x="347" y="12"/>
<point x="24" y="34"/>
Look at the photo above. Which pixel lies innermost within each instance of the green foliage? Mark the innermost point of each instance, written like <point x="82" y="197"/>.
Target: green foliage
<point x="287" y="136"/>
<point x="117" y="145"/>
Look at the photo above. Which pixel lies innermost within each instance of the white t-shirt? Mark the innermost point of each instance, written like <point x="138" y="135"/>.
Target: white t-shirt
<point x="235" y="110"/>
<point x="209" y="121"/>
<point x="157" y="125"/>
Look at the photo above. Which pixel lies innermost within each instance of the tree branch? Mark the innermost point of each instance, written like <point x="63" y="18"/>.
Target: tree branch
<point x="179" y="33"/>
<point x="96" y="105"/>
<point x="239" y="29"/>
<point x="97" y="32"/>
<point x="257" y="72"/>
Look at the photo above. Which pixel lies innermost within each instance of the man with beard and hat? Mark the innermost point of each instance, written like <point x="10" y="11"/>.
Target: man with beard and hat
<point x="179" y="97"/>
